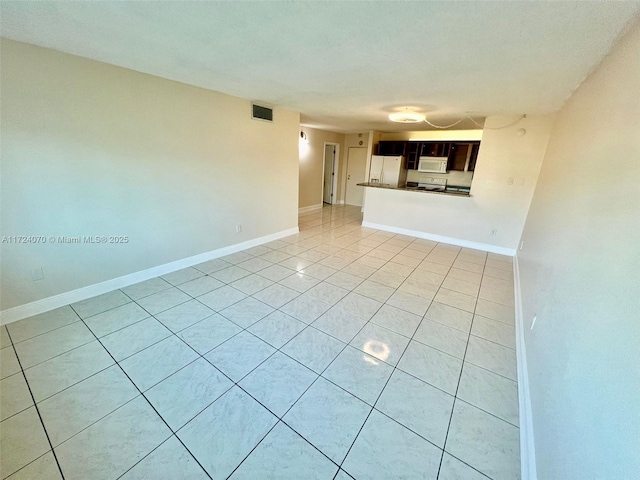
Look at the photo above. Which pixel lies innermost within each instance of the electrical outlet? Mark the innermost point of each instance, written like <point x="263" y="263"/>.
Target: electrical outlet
<point x="521" y="245"/>
<point x="533" y="322"/>
<point x="37" y="274"/>
<point x="238" y="228"/>
<point x="494" y="232"/>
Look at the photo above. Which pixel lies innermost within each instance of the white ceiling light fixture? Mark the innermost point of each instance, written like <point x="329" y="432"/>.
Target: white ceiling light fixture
<point x="407" y="116"/>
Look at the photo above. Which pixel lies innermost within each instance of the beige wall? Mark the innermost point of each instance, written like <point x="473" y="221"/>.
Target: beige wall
<point x="312" y="162"/>
<point x="580" y="274"/>
<point x="494" y="203"/>
<point x="92" y="149"/>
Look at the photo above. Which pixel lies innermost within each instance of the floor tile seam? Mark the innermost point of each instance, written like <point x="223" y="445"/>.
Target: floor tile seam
<point x="39" y="334"/>
<point x="166" y="309"/>
<point x="103" y="311"/>
<point x="462" y="461"/>
<point x="130" y="325"/>
<point x="51" y="358"/>
<point x="490" y="371"/>
<point x="466" y="348"/>
<point x="175" y="332"/>
<point x="150" y="404"/>
<point x="137" y="396"/>
<point x="75" y="383"/>
<point x="493" y="341"/>
<point x="35" y="405"/>
<point x="468" y="402"/>
<point x="395" y="367"/>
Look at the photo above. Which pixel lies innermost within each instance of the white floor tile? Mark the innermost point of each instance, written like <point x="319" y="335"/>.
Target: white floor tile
<point x="22" y="440"/>
<point x="146" y="288"/>
<point x="184" y="315"/>
<point x="187" y="392"/>
<point x="110" y="447"/>
<point x="43" y="468"/>
<point x="161" y="301"/>
<point x="360" y="374"/>
<point x="101" y="303"/>
<point x="207" y="334"/>
<point x="169" y="460"/>
<point x="213" y="436"/>
<point x="442" y="337"/>
<point x="284" y="455"/>
<point x="116" y="319"/>
<point x="51" y="344"/>
<point x="74" y="409"/>
<point x="418" y="406"/>
<point x="54" y="375"/>
<point x="433" y="366"/>
<point x="485" y="442"/>
<point x="246" y="312"/>
<point x="491" y="356"/>
<point x="14" y="395"/>
<point x="380" y="343"/>
<point x="339" y="324"/>
<point x="39" y="324"/>
<point x="329" y="418"/>
<point x="154" y="364"/>
<point x="314" y="349"/>
<point x="278" y="383"/>
<point x="132" y="339"/>
<point x="385" y="449"/>
<point x="277" y="328"/>
<point x="222" y="298"/>
<point x="454" y="469"/>
<point x="239" y="355"/>
<point x="490" y="392"/>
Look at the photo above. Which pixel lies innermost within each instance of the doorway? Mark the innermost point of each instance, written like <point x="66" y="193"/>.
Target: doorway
<point x="329" y="175"/>
<point x="356" y="166"/>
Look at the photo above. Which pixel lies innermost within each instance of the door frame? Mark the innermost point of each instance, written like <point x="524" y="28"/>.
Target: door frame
<point x="336" y="162"/>
<point x="346" y="173"/>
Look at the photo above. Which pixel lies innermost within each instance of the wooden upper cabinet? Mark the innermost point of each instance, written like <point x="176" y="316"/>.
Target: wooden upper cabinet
<point x="391" y="148"/>
<point x="461" y="156"/>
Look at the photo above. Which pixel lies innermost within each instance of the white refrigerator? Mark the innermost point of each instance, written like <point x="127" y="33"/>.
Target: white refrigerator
<point x="388" y="170"/>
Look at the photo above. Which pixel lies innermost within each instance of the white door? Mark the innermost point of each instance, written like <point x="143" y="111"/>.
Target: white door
<point x="356" y="166"/>
<point x="329" y="166"/>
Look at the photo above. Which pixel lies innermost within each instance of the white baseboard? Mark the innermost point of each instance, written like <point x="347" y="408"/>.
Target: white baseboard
<point x="485" y="247"/>
<point x="40" y="306"/>
<point x="527" y="445"/>
<point x="310" y="208"/>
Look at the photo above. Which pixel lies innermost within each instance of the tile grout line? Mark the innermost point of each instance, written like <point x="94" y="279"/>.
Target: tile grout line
<point x="35" y="405"/>
<point x="154" y="409"/>
<point x="460" y="377"/>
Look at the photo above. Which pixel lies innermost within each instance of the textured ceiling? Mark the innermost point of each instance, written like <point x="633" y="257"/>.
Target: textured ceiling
<point x="344" y="65"/>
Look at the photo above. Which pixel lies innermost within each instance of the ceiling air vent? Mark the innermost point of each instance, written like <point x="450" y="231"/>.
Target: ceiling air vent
<point x="262" y="113"/>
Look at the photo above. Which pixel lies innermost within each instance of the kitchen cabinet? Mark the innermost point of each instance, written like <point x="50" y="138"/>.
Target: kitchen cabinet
<point x="463" y="156"/>
<point x="393" y="148"/>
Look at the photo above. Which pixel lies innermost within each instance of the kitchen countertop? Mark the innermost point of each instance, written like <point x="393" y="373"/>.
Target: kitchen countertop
<point x="446" y="191"/>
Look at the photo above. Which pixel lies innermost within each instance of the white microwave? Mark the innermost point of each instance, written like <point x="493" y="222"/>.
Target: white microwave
<point x="432" y="164"/>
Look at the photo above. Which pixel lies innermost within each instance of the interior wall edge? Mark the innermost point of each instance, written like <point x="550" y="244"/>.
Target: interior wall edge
<point x="44" y="305"/>
<point x="525" y="414"/>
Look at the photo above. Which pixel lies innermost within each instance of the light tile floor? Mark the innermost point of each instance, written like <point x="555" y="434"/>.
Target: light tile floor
<point x="341" y="352"/>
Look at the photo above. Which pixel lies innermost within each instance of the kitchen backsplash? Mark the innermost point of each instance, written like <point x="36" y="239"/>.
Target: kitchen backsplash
<point x="461" y="179"/>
